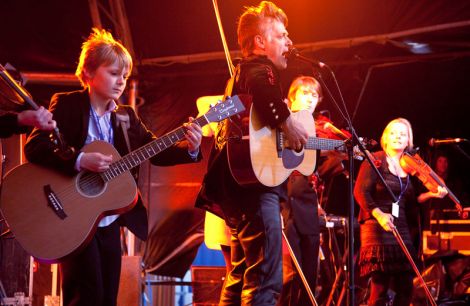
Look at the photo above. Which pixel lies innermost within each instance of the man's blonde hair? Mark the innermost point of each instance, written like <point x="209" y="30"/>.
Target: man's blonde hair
<point x="252" y="22"/>
<point x="101" y="49"/>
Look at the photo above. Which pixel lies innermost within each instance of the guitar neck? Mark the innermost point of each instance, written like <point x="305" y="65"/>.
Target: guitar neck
<point x="136" y="157"/>
<point x="315" y="143"/>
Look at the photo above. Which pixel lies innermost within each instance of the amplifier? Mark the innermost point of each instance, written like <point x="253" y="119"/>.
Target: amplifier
<point x="450" y="225"/>
<point x="331" y="221"/>
<point x="444" y="241"/>
<point x="207" y="284"/>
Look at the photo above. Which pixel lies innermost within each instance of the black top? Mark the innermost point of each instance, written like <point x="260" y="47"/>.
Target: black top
<point x="370" y="192"/>
<point x="257" y="77"/>
<point x="71" y="111"/>
<point x="380" y="250"/>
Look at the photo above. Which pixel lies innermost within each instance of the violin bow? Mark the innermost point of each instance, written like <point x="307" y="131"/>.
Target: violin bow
<point x="415" y="268"/>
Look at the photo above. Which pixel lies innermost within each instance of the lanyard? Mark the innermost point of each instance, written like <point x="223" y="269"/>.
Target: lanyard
<point x="395" y="205"/>
<point x="403" y="190"/>
<point x="98" y="127"/>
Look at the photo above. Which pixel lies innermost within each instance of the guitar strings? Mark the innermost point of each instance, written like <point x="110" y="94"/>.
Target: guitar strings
<point x="126" y="163"/>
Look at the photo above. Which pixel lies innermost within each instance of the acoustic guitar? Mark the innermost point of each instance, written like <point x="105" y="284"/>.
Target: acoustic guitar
<point x="54" y="215"/>
<point x="264" y="157"/>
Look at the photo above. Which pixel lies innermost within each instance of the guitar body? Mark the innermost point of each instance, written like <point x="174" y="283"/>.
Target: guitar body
<point x="259" y="158"/>
<point x="53" y="215"/>
<point x="272" y="162"/>
<point x="47" y="234"/>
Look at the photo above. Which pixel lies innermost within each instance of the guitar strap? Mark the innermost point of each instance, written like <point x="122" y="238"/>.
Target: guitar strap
<point x="221" y="133"/>
<point x="122" y="120"/>
<point x="230" y="82"/>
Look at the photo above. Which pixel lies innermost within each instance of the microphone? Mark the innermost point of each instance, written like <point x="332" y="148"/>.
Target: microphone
<point x="336" y="131"/>
<point x="294" y="53"/>
<point x="435" y="142"/>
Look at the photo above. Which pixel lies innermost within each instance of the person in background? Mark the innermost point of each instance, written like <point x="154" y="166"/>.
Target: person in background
<point x="435" y="209"/>
<point x="300" y="211"/>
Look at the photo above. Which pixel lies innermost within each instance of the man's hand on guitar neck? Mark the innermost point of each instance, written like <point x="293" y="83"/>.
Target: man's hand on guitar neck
<point x="295" y="133"/>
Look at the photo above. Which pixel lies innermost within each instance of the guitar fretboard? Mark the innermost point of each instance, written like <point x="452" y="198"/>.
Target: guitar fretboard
<point x="315" y="143"/>
<point x="147" y="151"/>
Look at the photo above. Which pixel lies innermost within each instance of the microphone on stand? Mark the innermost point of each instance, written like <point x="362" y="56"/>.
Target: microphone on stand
<point x="294" y="53"/>
<point x="435" y="142"/>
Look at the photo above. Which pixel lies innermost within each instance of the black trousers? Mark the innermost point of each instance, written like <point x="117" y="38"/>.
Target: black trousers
<point x="401" y="283"/>
<point x="91" y="278"/>
<point x="306" y="249"/>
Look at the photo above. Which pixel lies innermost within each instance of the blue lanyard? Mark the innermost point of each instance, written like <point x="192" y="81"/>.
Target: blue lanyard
<point x="402" y="191"/>
<point x="98" y="127"/>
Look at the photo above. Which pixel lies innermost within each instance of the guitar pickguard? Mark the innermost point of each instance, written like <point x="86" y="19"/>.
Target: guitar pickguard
<point x="292" y="159"/>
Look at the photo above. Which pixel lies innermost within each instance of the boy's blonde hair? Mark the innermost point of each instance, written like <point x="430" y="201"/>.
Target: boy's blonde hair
<point x="101" y="49"/>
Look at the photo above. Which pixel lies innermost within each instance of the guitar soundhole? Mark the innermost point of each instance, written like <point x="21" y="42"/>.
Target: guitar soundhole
<point x="90" y="184"/>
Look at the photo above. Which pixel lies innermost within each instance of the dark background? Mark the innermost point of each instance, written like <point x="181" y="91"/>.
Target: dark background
<point x="380" y="79"/>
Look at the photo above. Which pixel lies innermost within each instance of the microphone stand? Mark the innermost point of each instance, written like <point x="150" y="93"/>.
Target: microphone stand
<point x="354" y="141"/>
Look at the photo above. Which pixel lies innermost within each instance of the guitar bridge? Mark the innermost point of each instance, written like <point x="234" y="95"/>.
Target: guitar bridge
<point x="54" y="203"/>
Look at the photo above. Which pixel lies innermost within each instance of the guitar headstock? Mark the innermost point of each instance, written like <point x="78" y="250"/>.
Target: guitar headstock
<point x="224" y="109"/>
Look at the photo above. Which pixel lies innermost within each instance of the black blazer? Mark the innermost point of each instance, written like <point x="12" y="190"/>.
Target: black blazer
<point x="257" y="77"/>
<point x="71" y="110"/>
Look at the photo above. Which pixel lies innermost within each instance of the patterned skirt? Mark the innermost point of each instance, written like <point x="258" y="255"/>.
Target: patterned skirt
<point x="381" y="252"/>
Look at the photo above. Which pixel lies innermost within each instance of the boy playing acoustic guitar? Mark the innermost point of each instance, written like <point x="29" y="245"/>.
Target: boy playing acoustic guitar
<point x="91" y="277"/>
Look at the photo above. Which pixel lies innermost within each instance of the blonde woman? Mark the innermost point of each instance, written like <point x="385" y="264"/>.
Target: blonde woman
<point x="381" y="258"/>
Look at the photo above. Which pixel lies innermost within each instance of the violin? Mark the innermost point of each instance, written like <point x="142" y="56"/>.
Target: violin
<point x="415" y="165"/>
<point x="325" y="129"/>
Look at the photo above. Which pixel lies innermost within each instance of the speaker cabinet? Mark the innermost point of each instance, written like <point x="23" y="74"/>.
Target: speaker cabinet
<point x="445" y="241"/>
<point x="207" y="284"/>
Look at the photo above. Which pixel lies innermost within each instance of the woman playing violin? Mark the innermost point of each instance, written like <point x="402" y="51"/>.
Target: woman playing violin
<point x="381" y="257"/>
